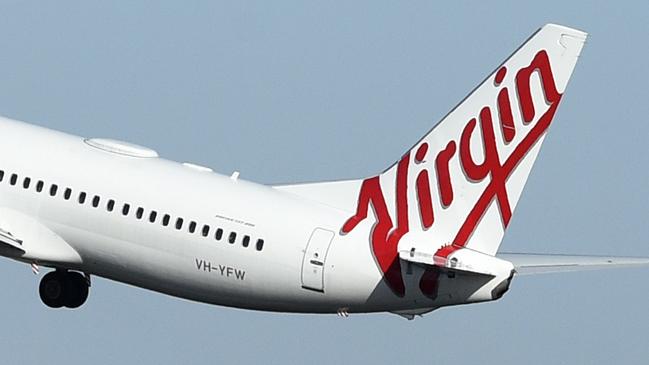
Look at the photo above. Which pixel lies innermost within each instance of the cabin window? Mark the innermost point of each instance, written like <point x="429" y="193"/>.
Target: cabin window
<point x="260" y="244"/>
<point x="152" y="216"/>
<point x="232" y="237"/>
<point x="179" y="223"/>
<point x="67" y="193"/>
<point x="192" y="227"/>
<point x="95" y="201"/>
<point x="111" y="205"/>
<point x="82" y="197"/>
<point x="14" y="179"/>
<point x="26" y="183"/>
<point x="53" y="189"/>
<point x="246" y="241"/>
<point x="39" y="186"/>
<point x="206" y="230"/>
<point x="125" y="209"/>
<point x="2" y="175"/>
<point x="139" y="212"/>
<point x="165" y="220"/>
<point x="218" y="234"/>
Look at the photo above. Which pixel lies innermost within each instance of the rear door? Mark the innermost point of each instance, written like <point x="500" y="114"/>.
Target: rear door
<point x="313" y="264"/>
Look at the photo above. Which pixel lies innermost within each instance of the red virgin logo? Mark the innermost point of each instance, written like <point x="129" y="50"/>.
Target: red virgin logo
<point x="385" y="236"/>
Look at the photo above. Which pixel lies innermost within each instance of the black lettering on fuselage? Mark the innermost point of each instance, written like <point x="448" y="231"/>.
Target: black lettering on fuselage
<point x="223" y="270"/>
<point x="240" y="274"/>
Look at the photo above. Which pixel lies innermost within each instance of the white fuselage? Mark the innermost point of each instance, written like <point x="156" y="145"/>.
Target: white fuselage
<point x="422" y="234"/>
<point x="130" y="248"/>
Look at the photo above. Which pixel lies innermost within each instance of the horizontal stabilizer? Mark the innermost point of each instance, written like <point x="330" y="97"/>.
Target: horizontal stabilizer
<point x="460" y="260"/>
<point x="528" y="264"/>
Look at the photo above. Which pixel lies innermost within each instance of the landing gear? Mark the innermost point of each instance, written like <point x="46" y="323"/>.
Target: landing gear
<point x="63" y="289"/>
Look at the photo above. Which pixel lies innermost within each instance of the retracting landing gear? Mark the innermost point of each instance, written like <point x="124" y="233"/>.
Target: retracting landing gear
<point x="64" y="289"/>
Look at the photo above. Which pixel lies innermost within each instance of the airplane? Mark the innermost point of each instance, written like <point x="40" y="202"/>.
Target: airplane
<point x="421" y="235"/>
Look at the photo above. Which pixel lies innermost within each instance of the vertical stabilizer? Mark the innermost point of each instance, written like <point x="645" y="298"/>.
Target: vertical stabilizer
<point x="459" y="185"/>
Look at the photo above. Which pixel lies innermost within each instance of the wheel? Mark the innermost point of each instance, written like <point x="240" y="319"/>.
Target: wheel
<point x="76" y="290"/>
<point x="63" y="288"/>
<point x="52" y="289"/>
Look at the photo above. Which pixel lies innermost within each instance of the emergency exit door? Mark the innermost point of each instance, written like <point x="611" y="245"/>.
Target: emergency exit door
<point x="315" y="255"/>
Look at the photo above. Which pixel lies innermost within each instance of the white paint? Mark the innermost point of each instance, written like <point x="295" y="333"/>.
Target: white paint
<point x="305" y="265"/>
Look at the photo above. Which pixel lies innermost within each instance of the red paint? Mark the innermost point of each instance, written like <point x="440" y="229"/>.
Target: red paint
<point x="421" y="153"/>
<point x="387" y="254"/>
<point x="425" y="200"/>
<point x="506" y="117"/>
<point x="384" y="243"/>
<point x="423" y="190"/>
<point x="443" y="253"/>
<point x="490" y="165"/>
<point x="443" y="175"/>
<point x="505" y="108"/>
<point x="371" y="194"/>
<point x="540" y="63"/>
<point x="497" y="185"/>
<point x="508" y="167"/>
<point x="500" y="75"/>
<point x="385" y="237"/>
<point x="472" y="170"/>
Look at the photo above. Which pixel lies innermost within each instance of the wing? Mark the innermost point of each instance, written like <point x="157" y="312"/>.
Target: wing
<point x="460" y="260"/>
<point x="25" y="238"/>
<point x="8" y="239"/>
<point x="528" y="263"/>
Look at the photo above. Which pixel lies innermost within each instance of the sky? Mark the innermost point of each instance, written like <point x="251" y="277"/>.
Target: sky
<point x="298" y="91"/>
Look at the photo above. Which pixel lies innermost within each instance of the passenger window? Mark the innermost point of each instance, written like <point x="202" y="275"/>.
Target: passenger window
<point x="111" y="205"/>
<point x="67" y="193"/>
<point x="260" y="244"/>
<point x="2" y="175"/>
<point x="152" y="216"/>
<point x="219" y="234"/>
<point x="139" y="212"/>
<point x="82" y="197"/>
<point x="39" y="186"/>
<point x="192" y="227"/>
<point x="125" y="209"/>
<point x="179" y="223"/>
<point x="26" y="183"/>
<point x="95" y="201"/>
<point x="13" y="179"/>
<point x="246" y="241"/>
<point x="206" y="230"/>
<point x="232" y="237"/>
<point x="53" y="189"/>
<point x="165" y="220"/>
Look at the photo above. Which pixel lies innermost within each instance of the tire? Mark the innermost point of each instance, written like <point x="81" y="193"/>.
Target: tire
<point x="53" y="288"/>
<point x="77" y="290"/>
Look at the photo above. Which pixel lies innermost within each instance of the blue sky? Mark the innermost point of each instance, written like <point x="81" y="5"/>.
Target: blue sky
<point x="305" y="91"/>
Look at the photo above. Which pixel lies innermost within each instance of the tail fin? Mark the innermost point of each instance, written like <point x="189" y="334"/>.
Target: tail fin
<point x="459" y="185"/>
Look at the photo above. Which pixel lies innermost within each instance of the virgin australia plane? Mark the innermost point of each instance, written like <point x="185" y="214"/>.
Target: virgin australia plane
<point x="422" y="234"/>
